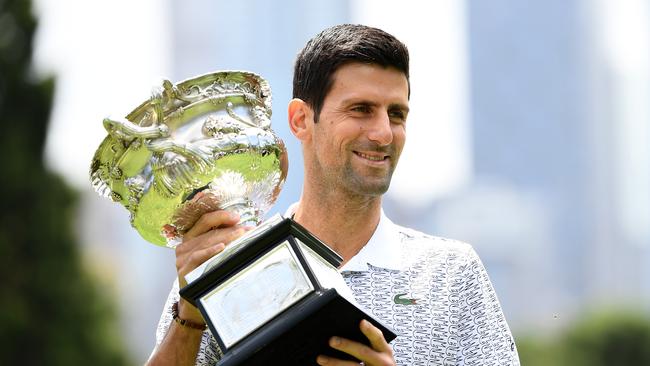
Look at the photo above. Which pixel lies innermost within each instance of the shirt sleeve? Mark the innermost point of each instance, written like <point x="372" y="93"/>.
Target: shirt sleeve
<point x="209" y="352"/>
<point x="484" y="337"/>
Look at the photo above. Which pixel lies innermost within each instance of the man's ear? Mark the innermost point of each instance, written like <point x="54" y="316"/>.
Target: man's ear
<point x="301" y="119"/>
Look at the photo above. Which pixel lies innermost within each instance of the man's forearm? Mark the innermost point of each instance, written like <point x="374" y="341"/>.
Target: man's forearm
<point x="179" y="347"/>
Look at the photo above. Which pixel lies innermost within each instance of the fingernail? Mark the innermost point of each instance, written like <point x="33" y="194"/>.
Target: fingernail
<point x="321" y="360"/>
<point x="335" y="341"/>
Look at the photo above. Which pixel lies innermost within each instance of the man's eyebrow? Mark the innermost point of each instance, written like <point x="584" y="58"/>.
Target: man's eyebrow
<point x="401" y="106"/>
<point x="352" y="101"/>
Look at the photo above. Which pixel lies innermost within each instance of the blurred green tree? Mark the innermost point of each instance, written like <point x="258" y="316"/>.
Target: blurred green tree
<point x="605" y="337"/>
<point x="51" y="311"/>
<point x="619" y="338"/>
<point x="537" y="351"/>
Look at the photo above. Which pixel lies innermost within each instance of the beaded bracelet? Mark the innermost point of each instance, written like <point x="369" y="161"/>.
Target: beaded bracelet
<point x="185" y="322"/>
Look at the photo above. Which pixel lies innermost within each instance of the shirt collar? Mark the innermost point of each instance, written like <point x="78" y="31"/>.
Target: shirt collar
<point x="382" y="250"/>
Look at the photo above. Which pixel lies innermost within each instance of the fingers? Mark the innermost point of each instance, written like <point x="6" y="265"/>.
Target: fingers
<point x="209" y="220"/>
<point x="330" y="361"/>
<point x="204" y="234"/>
<point x="197" y="257"/>
<point x="206" y="238"/>
<point x="359" y="350"/>
<point x="378" y="354"/>
<point x="211" y="237"/>
<point x="192" y="253"/>
<point x="375" y="336"/>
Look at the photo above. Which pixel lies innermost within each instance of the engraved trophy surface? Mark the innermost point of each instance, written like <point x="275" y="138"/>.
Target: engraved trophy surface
<point x="203" y="144"/>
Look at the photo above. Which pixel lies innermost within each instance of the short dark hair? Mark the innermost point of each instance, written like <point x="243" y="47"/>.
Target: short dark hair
<point x="327" y="51"/>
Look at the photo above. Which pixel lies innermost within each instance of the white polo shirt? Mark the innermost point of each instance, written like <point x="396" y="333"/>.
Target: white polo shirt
<point x="433" y="292"/>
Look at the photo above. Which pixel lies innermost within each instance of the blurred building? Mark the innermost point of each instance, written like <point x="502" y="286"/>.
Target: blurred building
<point x="559" y="203"/>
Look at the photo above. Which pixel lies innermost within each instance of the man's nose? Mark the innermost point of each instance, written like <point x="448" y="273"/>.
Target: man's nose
<point x="380" y="130"/>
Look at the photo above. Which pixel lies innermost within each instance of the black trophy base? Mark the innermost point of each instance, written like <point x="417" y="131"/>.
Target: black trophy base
<point x="300" y="334"/>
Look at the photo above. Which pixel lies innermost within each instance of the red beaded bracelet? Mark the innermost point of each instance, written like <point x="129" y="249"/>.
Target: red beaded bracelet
<point x="185" y="322"/>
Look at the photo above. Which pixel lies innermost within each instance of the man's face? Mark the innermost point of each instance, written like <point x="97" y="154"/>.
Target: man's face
<point x="361" y="130"/>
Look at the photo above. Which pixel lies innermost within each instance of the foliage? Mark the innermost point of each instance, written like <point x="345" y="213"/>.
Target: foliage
<point x="51" y="312"/>
<point x="602" y="338"/>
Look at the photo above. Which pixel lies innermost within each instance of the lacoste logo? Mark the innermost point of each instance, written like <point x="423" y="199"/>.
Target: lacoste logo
<point x="403" y="301"/>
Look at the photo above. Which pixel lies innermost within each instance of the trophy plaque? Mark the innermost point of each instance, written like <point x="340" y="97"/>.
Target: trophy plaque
<point x="204" y="144"/>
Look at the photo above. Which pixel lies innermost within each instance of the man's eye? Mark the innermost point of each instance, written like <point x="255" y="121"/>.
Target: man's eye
<point x="398" y="115"/>
<point x="361" y="109"/>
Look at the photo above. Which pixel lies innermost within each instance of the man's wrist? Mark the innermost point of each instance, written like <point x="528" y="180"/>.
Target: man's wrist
<point x="186" y="322"/>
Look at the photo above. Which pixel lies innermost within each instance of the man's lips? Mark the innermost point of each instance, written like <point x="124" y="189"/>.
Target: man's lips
<point x="372" y="156"/>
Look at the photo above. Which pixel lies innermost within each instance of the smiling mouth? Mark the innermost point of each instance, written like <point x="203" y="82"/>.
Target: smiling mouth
<point x="380" y="157"/>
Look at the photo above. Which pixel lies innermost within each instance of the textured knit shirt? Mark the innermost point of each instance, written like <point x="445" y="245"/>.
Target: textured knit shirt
<point x="433" y="292"/>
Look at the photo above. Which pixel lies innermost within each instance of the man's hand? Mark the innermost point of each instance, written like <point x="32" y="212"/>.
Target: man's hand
<point x="378" y="354"/>
<point x="209" y="236"/>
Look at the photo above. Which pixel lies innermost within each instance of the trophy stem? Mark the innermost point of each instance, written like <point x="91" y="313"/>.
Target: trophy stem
<point x="244" y="209"/>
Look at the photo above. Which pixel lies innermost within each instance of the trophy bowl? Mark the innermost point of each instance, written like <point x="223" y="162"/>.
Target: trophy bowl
<point x="203" y="144"/>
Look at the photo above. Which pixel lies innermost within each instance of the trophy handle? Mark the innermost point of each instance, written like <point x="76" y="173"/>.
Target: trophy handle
<point x="128" y="131"/>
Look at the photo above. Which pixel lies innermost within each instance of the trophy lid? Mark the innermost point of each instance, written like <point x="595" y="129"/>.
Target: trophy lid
<point x="203" y="144"/>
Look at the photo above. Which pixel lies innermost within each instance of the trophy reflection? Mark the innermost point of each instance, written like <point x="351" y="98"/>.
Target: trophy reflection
<point x="204" y="144"/>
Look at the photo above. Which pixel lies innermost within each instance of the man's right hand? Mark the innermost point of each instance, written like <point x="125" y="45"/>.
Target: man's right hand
<point x="209" y="236"/>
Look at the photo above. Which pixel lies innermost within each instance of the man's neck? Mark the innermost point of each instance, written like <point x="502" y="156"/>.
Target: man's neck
<point x="345" y="224"/>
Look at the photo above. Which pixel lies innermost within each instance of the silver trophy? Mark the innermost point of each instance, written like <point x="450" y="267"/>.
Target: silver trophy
<point x="205" y="144"/>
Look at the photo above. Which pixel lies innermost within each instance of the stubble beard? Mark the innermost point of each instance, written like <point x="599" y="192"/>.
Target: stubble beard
<point x="361" y="184"/>
<point x="365" y="180"/>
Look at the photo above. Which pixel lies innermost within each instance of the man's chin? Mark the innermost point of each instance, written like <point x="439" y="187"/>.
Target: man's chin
<point x="376" y="188"/>
<point x="367" y="184"/>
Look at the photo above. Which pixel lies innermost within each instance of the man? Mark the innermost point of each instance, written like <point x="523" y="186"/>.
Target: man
<point x="351" y="94"/>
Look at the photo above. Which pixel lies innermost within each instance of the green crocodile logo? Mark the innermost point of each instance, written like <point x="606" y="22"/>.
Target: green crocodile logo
<point x="404" y="301"/>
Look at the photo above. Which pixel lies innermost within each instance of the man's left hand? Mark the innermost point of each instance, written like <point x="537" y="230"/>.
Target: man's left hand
<point x="378" y="353"/>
